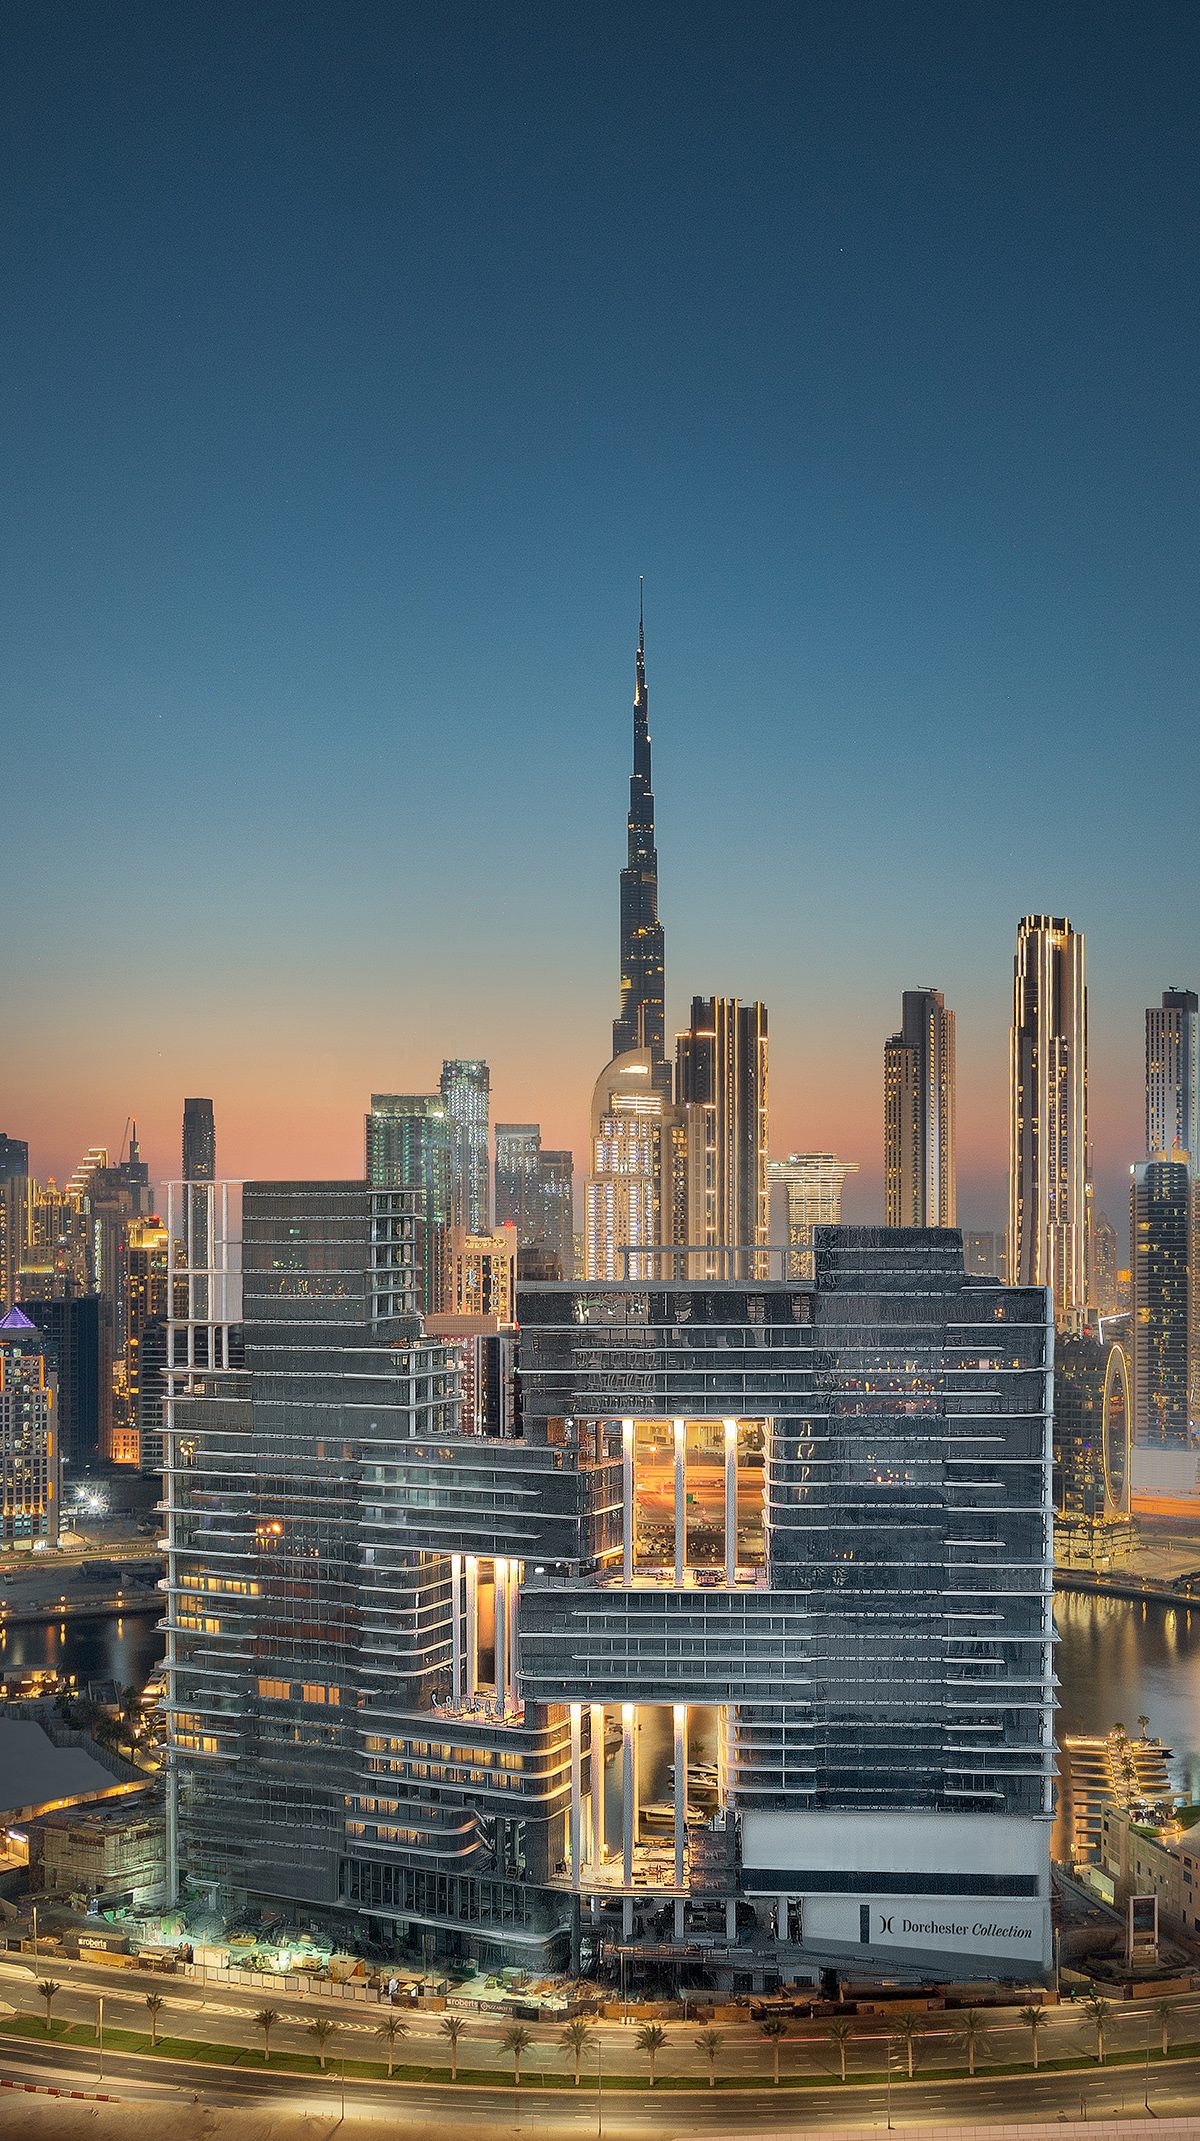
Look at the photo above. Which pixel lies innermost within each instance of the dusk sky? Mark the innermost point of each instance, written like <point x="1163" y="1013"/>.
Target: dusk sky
<point x="357" y="360"/>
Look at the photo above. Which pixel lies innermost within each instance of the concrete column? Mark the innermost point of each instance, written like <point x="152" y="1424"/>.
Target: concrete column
<point x="730" y="1499"/>
<point x="731" y="1919"/>
<point x="628" y="1812"/>
<point x="456" y="1656"/>
<point x="680" y="1502"/>
<point x="472" y="1656"/>
<point x="514" y="1584"/>
<point x="627" y="1499"/>
<point x="680" y="1716"/>
<point x="597" y="1778"/>
<point x="576" y="1795"/>
<point x="500" y="1623"/>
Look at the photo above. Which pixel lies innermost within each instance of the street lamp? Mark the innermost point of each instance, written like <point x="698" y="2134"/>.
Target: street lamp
<point x="888" y="2050"/>
<point x="35" y="1945"/>
<point x="599" y="2091"/>
<point x="100" y="2031"/>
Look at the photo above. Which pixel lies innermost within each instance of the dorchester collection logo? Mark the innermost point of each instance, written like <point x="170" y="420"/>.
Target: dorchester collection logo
<point x="950" y="1929"/>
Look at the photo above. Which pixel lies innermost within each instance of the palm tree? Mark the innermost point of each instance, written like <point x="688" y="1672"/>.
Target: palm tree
<point x="709" y="2042"/>
<point x="1164" y="2010"/>
<point x="650" y="2039"/>
<point x="452" y="2026"/>
<point x="322" y="2029"/>
<point x="972" y="2035"/>
<point x="49" y="1991"/>
<point x="266" y="2018"/>
<point x="840" y="2033"/>
<point x="390" y="2030"/>
<point x="576" y="2037"/>
<point x="1098" y="2013"/>
<point x="155" y="2002"/>
<point x="1034" y="2018"/>
<point x="774" y="2029"/>
<point x="516" y="2039"/>
<point x="907" y="2032"/>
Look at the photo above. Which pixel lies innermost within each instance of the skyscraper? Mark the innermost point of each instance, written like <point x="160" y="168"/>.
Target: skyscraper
<point x="721" y="1084"/>
<point x="466" y="1090"/>
<point x="554" y="1257"/>
<point x="628" y="1201"/>
<point x="14" y="1188"/>
<point x="1172" y="1079"/>
<point x="642" y="1019"/>
<point x="919" y="1114"/>
<point x="1159" y="1248"/>
<point x="199" y="1141"/>
<point x="1047" y="1221"/>
<point x="812" y="1184"/>
<point x="30" y="1459"/>
<point x="410" y="1146"/>
<point x="518" y="1148"/>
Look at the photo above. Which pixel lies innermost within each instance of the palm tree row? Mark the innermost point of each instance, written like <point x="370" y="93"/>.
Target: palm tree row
<point x="578" y="2036"/>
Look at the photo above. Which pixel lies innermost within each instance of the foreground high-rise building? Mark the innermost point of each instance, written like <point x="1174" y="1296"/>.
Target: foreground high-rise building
<point x="641" y="1022"/>
<point x="721" y="1087"/>
<point x="466" y="1095"/>
<point x="920" y="1100"/>
<point x="734" y="1653"/>
<point x="1047" y="1206"/>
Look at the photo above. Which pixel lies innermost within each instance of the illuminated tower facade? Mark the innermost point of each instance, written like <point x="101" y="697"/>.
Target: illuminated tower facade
<point x="919" y="1114"/>
<point x="721" y="1086"/>
<point x="466" y="1095"/>
<point x="642" y="1019"/>
<point x="1047" y="1217"/>
<point x="14" y="1191"/>
<point x="812" y="1184"/>
<point x="1160" y="1196"/>
<point x="628" y="1201"/>
<point x="410" y="1146"/>
<point x="30" y="1463"/>
<point x="1172" y="1083"/>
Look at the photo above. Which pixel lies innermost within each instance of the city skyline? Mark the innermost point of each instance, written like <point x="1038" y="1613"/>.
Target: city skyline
<point x="341" y="425"/>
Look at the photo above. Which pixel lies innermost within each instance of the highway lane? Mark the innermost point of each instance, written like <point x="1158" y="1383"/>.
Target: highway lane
<point x="570" y="2115"/>
<point x="225" y="2013"/>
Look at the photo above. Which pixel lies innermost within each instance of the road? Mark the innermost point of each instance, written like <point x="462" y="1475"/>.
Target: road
<point x="220" y="2013"/>
<point x="417" y="2108"/>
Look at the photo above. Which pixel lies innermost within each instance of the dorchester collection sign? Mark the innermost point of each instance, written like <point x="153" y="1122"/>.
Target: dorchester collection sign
<point x="948" y="1928"/>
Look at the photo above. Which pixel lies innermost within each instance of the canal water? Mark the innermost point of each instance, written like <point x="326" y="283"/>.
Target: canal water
<point x="1116" y="1661"/>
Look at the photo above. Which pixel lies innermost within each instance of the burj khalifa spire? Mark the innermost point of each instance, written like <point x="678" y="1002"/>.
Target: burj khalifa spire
<point x="642" y="1019"/>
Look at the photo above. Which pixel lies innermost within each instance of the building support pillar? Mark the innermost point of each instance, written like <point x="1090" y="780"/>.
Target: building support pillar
<point x="513" y="1590"/>
<point x="500" y="1624"/>
<point x="680" y="1718"/>
<point x="628" y="1811"/>
<point x="576" y="1796"/>
<point x="472" y="1647"/>
<point x="456" y="1631"/>
<point x="680" y="1502"/>
<point x="627" y="1501"/>
<point x="596" y="1774"/>
<point x="730" y="1499"/>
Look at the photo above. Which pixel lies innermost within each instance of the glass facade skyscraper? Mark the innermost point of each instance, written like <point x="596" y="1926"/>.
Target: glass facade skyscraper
<point x="641" y="1022"/>
<point x="466" y="1095"/>
<point x="736" y="1646"/>
<point x="1173" y="1078"/>
<point x="410" y="1145"/>
<point x="920" y="1106"/>
<point x="721" y="1089"/>
<point x="1160" y="1201"/>
<point x="1048" y="1135"/>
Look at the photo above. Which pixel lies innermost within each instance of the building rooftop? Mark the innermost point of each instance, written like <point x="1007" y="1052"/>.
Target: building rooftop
<point x="38" y="1777"/>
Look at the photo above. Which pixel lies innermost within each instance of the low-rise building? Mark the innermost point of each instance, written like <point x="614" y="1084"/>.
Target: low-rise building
<point x="1162" y="1862"/>
<point x="111" y="1855"/>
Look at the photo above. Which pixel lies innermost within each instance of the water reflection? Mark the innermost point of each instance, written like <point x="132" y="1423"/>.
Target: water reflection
<point x="126" y="1650"/>
<point x="1118" y="1661"/>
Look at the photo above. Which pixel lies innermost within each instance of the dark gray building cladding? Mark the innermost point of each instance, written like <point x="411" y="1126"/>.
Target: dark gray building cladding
<point x="741" y="1635"/>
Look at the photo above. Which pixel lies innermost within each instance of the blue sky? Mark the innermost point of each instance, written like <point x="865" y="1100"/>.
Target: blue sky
<point x="357" y="362"/>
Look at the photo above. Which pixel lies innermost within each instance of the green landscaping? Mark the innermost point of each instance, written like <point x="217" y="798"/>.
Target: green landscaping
<point x="203" y="2050"/>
